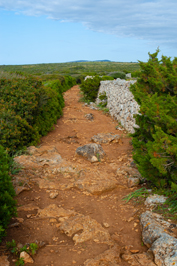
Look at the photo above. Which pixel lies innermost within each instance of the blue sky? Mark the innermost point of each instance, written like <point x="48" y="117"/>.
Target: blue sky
<point x="55" y="31"/>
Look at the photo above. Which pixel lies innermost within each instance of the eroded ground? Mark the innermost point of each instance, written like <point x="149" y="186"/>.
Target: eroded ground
<point x="71" y="206"/>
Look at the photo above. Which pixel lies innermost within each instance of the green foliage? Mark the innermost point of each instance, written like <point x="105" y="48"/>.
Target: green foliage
<point x="90" y="87"/>
<point x="74" y="69"/>
<point x="142" y="192"/>
<point x="155" y="141"/>
<point x="118" y="74"/>
<point x="20" y="262"/>
<point x="28" y="110"/>
<point x="33" y="247"/>
<point x="7" y="203"/>
<point x="29" y="248"/>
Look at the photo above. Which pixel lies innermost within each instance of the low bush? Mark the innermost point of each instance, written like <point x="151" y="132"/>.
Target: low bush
<point x="155" y="140"/>
<point x="116" y="75"/>
<point x="90" y="87"/>
<point x="7" y="203"/>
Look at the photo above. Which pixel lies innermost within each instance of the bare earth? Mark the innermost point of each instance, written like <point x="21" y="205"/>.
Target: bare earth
<point x="75" y="221"/>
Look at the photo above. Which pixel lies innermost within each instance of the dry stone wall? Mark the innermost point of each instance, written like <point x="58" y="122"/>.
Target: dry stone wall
<point x="120" y="101"/>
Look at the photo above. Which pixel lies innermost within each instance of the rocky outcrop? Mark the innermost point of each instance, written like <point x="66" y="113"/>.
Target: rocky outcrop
<point x="158" y="236"/>
<point x="120" y="101"/>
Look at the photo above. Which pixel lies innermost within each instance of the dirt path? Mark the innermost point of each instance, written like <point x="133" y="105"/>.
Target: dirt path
<point x="64" y="216"/>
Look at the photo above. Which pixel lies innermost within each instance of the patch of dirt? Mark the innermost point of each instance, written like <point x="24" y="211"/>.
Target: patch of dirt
<point x="96" y="213"/>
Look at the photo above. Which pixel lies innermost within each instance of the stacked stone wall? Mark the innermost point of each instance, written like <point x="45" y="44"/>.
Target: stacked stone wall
<point x="120" y="101"/>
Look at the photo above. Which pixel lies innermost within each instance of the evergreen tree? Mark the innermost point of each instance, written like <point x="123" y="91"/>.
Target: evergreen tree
<point x="155" y="140"/>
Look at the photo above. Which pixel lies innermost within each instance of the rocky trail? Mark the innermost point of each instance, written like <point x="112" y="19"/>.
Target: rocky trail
<point x="70" y="194"/>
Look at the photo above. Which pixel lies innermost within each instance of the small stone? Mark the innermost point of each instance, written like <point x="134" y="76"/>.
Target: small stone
<point x="53" y="195"/>
<point x="155" y="199"/>
<point x="133" y="182"/>
<point x="27" y="258"/>
<point x="106" y="225"/>
<point x="74" y="262"/>
<point x="20" y="220"/>
<point x="53" y="220"/>
<point x="134" y="250"/>
<point x="19" y="245"/>
<point x="94" y="159"/>
<point x="4" y="261"/>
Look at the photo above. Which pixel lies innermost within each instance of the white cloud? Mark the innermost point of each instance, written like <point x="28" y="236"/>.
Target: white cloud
<point x="153" y="21"/>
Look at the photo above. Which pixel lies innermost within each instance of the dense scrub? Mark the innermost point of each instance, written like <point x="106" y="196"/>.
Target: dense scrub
<point x="155" y="141"/>
<point x="74" y="69"/>
<point x="118" y="74"/>
<point x="90" y="87"/>
<point x="28" y="109"/>
<point x="7" y="203"/>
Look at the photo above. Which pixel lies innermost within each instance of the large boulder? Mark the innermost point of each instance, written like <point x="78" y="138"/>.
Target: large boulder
<point x="159" y="237"/>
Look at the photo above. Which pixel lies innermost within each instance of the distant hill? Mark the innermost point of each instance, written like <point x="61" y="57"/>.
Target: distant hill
<point x="80" y="61"/>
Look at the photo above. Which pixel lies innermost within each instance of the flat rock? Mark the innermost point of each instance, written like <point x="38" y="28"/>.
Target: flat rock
<point x="90" y="150"/>
<point x="4" y="261"/>
<point x="20" y="189"/>
<point x="85" y="228"/>
<point x="95" y="182"/>
<point x="110" y="257"/>
<point x="28" y="207"/>
<point x="139" y="259"/>
<point x="45" y="155"/>
<point x="129" y="170"/>
<point x="27" y="258"/>
<point x="105" y="138"/>
<point x="54" y="211"/>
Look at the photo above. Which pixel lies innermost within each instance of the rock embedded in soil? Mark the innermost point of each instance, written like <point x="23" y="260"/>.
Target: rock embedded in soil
<point x="95" y="182"/>
<point x="89" y="116"/>
<point x="53" y="195"/>
<point x="85" y="228"/>
<point x="45" y="155"/>
<point x="105" y="138"/>
<point x="4" y="261"/>
<point x="157" y="235"/>
<point x="26" y="257"/>
<point x="90" y="150"/>
<point x="139" y="259"/>
<point x="54" y="211"/>
<point x="110" y="257"/>
<point x="133" y="182"/>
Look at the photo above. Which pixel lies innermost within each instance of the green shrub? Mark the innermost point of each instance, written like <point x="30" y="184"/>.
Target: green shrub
<point x="90" y="87"/>
<point x="28" y="111"/>
<point x="118" y="74"/>
<point x="155" y="141"/>
<point x="51" y="109"/>
<point x="7" y="203"/>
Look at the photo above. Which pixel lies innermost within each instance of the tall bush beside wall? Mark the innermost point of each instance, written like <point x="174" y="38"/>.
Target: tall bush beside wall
<point x="90" y="87"/>
<point x="155" y="141"/>
<point x="7" y="203"/>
